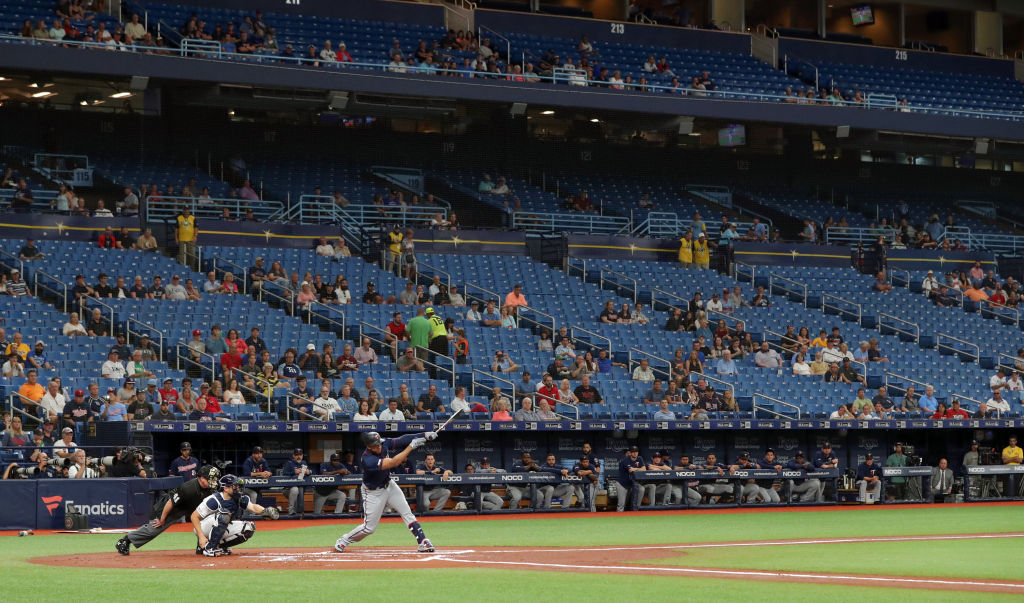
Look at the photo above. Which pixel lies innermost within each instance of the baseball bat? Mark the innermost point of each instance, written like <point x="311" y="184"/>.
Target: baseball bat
<point x="450" y="419"/>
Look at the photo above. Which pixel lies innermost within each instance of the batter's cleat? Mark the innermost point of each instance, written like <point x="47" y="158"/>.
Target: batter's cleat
<point x="123" y="546"/>
<point x="207" y="552"/>
<point x="426" y="546"/>
<point x="339" y="546"/>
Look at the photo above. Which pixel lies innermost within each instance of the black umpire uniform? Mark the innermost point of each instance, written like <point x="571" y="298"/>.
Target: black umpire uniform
<point x="179" y="502"/>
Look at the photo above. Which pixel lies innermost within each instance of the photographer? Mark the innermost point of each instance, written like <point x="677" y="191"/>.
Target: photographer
<point x="41" y="470"/>
<point x="82" y="467"/>
<point x="127" y="462"/>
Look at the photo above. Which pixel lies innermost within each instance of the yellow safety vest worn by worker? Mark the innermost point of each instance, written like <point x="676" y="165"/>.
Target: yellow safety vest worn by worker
<point x="186" y="228"/>
<point x="685" y="250"/>
<point x="437" y="327"/>
<point x="700" y="252"/>
<point x="396" y="242"/>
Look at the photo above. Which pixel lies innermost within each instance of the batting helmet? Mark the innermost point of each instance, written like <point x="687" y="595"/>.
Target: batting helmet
<point x="372" y="438"/>
<point x="228" y="481"/>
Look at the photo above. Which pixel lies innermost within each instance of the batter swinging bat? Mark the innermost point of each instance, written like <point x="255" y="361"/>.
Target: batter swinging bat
<point x="450" y="419"/>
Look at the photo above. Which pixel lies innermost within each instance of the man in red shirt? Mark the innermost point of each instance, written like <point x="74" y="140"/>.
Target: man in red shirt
<point x="396" y="333"/>
<point x="212" y="403"/>
<point x="229" y="361"/>
<point x="548" y="390"/>
<point x="955" y="412"/>
<point x="168" y="393"/>
<point x="346" y="361"/>
<point x="998" y="298"/>
<point x="342" y="55"/>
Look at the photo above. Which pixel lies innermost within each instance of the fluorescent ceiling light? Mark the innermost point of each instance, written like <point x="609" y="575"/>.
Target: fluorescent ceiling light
<point x="42" y="94"/>
<point x="595" y="120"/>
<point x="548" y="112"/>
<point x="120" y="94"/>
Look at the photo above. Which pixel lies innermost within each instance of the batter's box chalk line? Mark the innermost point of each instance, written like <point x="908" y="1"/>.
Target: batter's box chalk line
<point x="406" y="555"/>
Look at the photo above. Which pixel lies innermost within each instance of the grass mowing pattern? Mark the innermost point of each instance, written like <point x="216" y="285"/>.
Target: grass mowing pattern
<point x="24" y="580"/>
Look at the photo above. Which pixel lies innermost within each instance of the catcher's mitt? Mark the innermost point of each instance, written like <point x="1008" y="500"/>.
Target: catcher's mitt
<point x="271" y="512"/>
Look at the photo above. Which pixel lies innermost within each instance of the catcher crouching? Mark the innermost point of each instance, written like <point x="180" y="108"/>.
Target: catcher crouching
<point x="218" y="519"/>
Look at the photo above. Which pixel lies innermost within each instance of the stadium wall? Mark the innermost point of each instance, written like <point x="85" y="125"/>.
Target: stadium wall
<point x="859" y="54"/>
<point x="109" y="502"/>
<point x="372" y="10"/>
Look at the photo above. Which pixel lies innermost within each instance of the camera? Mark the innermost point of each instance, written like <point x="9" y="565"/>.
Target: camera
<point x="988" y="455"/>
<point x="26" y="471"/>
<point x="914" y="461"/>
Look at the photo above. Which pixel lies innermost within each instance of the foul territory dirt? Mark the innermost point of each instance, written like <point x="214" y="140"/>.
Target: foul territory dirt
<point x="609" y="559"/>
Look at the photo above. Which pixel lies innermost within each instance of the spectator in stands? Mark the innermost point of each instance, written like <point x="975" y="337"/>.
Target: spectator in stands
<point x="409" y="362"/>
<point x="930" y="284"/>
<point x="941" y="412"/>
<point x="881" y="285"/>
<point x="114" y="409"/>
<point x="725" y="366"/>
<point x="288" y="370"/>
<point x="997" y="403"/>
<point x="955" y="412"/>
<point x="927" y="402"/>
<point x="643" y="372"/>
<point x="29" y="251"/>
<point x="503" y="363"/>
<point x="767" y="357"/>
<point x="609" y="314"/>
<point x="656" y="394"/>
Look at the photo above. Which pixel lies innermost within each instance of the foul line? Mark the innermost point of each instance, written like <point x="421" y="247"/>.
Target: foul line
<point x="711" y="545"/>
<point x="749" y="573"/>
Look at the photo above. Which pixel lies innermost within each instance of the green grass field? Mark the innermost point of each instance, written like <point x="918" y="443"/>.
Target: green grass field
<point x="995" y="559"/>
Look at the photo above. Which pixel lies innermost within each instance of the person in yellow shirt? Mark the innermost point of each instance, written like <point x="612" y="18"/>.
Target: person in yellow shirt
<point x="1013" y="454"/>
<point x="185" y="234"/>
<point x="17" y="345"/>
<point x="701" y="254"/>
<point x="686" y="249"/>
<point x="394" y="247"/>
<point x="31" y="392"/>
<point x="821" y="341"/>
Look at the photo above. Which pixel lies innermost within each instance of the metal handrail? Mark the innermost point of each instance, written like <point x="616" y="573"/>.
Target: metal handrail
<point x="999" y="312"/>
<point x="286" y="301"/>
<point x="275" y="59"/>
<point x="314" y="310"/>
<point x="522" y="315"/>
<point x="438" y="366"/>
<point x="847" y="234"/>
<point x="684" y="307"/>
<point x="63" y="291"/>
<point x="570" y="266"/>
<point x="891" y="272"/>
<point x="163" y="207"/>
<point x="483" y="300"/>
<point x="187" y="357"/>
<point x="243" y="271"/>
<point x="508" y="44"/>
<point x="237" y="372"/>
<point x="916" y="332"/>
<point x="772" y="412"/>
<point x="511" y="386"/>
<point x="726" y="317"/>
<point x="289" y="409"/>
<point x="573" y="337"/>
<point x="773" y="277"/>
<point x="698" y="376"/>
<point x="888" y="374"/>
<point x="939" y="346"/>
<point x="420" y="265"/>
<point x="842" y="312"/>
<point x="603" y="279"/>
<point x="589" y="222"/>
<point x="83" y="305"/>
<point x="1016" y="362"/>
<point x="21" y="411"/>
<point x="160" y="335"/>
<point x="20" y="266"/>
<point x="737" y="266"/>
<point x="668" y="363"/>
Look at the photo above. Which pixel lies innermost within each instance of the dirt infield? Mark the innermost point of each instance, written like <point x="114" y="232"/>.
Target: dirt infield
<point x="605" y="559"/>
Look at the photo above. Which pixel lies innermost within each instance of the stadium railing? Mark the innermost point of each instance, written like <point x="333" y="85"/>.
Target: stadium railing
<point x="774" y="401"/>
<point x="167" y="207"/>
<point x="588" y="222"/>
<point x="189" y="52"/>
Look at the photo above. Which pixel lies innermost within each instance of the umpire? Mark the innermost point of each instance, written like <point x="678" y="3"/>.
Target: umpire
<point x="172" y="506"/>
